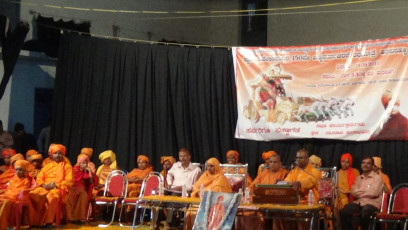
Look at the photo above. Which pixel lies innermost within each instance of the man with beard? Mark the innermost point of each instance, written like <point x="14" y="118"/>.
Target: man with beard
<point x="54" y="180"/>
<point x="396" y="127"/>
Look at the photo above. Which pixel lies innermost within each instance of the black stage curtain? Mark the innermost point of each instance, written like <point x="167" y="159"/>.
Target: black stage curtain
<point x="154" y="99"/>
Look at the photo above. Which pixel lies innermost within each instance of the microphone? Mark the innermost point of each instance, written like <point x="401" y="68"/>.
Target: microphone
<point x="293" y="165"/>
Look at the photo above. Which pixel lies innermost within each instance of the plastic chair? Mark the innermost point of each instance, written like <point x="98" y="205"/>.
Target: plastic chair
<point x="397" y="208"/>
<point x="236" y="175"/>
<point x="115" y="189"/>
<point x="150" y="186"/>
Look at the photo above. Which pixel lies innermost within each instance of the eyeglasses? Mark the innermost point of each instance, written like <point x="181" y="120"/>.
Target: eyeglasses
<point x="300" y="157"/>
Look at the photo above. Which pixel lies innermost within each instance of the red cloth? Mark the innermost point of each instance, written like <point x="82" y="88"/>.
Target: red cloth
<point x="81" y="180"/>
<point x="396" y="128"/>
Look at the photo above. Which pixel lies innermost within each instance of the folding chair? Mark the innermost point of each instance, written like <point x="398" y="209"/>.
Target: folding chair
<point x="236" y="175"/>
<point x="115" y="189"/>
<point x="150" y="186"/>
<point x="397" y="208"/>
<point x="328" y="193"/>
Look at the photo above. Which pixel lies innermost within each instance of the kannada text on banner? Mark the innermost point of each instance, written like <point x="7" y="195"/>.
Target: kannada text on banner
<point x="348" y="91"/>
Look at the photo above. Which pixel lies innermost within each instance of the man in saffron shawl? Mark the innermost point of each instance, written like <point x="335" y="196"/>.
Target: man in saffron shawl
<point x="265" y="156"/>
<point x="136" y="176"/>
<point x="108" y="160"/>
<point x="29" y="153"/>
<point x="36" y="161"/>
<point x="6" y="154"/>
<point x="9" y="173"/>
<point x="53" y="185"/>
<point x="274" y="174"/>
<point x="304" y="177"/>
<point x="84" y="180"/>
<point x="212" y="179"/>
<point x="167" y="162"/>
<point x="346" y="177"/>
<point x="17" y="184"/>
<point x="232" y="158"/>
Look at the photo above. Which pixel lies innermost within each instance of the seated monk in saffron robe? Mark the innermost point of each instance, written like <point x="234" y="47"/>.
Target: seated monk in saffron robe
<point x="89" y="152"/>
<point x="265" y="156"/>
<point x="303" y="178"/>
<point x="108" y="160"/>
<point x="18" y="183"/>
<point x="53" y="185"/>
<point x="50" y="159"/>
<point x="274" y="173"/>
<point x="167" y="162"/>
<point x="6" y="154"/>
<point x="84" y="180"/>
<point x="136" y="176"/>
<point x="346" y="177"/>
<point x="212" y="179"/>
<point x="29" y="153"/>
<point x="9" y="173"/>
<point x="377" y="168"/>
<point x="232" y="158"/>
<point x="36" y="161"/>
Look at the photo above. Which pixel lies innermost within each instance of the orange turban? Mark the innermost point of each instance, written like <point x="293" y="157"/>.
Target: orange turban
<point x="266" y="155"/>
<point x="171" y="159"/>
<point x="233" y="153"/>
<point x="351" y="177"/>
<point x="31" y="152"/>
<point x="55" y="148"/>
<point x="377" y="162"/>
<point x="143" y="158"/>
<point x="21" y="164"/>
<point x="87" y="151"/>
<point x="216" y="163"/>
<point x="317" y="160"/>
<point x="348" y="157"/>
<point x="8" y="152"/>
<point x="36" y="157"/>
<point x="82" y="157"/>
<point x="16" y="157"/>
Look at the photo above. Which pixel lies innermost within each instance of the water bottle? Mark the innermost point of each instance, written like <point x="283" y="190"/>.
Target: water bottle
<point x="201" y="190"/>
<point x="241" y="194"/>
<point x="310" y="198"/>
<point x="184" y="191"/>
<point x="246" y="195"/>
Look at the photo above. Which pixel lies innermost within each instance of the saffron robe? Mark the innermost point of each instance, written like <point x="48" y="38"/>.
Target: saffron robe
<point x="11" y="196"/>
<point x="216" y="183"/>
<point x="344" y="187"/>
<point x="267" y="177"/>
<point x="134" y="188"/>
<point x="43" y="202"/>
<point x="308" y="179"/>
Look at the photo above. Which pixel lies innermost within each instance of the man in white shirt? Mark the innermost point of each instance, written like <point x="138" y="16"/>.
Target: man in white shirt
<point x="183" y="172"/>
